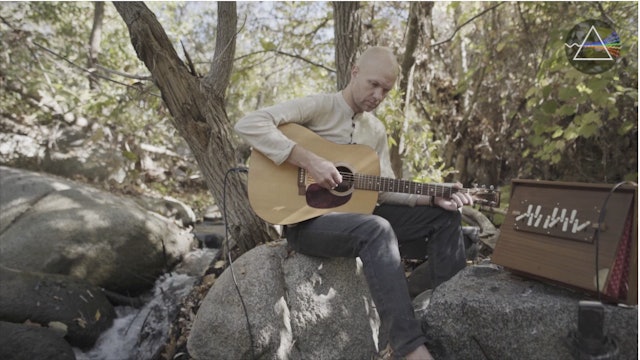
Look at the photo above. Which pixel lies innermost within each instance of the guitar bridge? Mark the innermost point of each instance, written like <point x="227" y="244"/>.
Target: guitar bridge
<point x="302" y="178"/>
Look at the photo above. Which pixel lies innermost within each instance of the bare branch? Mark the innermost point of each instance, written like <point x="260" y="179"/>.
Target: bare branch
<point x="295" y="56"/>
<point x="84" y="69"/>
<point x="125" y="75"/>
<point x="604" y="14"/>
<point x="192" y="68"/>
<point x="4" y="21"/>
<point x="465" y="24"/>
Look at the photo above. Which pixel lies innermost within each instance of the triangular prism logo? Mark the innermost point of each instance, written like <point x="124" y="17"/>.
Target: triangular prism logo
<point x="598" y="46"/>
<point x="592" y="46"/>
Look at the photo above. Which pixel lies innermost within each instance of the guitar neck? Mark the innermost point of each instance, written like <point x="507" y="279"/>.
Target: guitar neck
<point x="377" y="183"/>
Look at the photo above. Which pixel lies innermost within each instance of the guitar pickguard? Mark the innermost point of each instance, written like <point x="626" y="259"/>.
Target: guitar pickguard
<point x="320" y="198"/>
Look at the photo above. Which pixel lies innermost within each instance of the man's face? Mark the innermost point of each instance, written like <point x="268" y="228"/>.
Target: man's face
<point x="372" y="83"/>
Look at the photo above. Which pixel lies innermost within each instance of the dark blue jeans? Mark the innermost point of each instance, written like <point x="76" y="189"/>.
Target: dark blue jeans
<point x="377" y="240"/>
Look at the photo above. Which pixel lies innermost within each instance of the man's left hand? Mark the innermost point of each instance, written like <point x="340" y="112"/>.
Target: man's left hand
<point x="456" y="201"/>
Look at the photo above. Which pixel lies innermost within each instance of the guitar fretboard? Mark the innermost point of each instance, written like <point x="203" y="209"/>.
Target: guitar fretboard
<point x="377" y="183"/>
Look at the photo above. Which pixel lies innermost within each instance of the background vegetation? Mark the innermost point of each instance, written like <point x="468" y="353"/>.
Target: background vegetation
<point x="490" y="97"/>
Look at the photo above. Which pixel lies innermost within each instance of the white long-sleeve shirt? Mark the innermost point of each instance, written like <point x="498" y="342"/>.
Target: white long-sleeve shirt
<point x="329" y="116"/>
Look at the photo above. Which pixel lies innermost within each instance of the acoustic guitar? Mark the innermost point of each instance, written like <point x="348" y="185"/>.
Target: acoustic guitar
<point x="285" y="194"/>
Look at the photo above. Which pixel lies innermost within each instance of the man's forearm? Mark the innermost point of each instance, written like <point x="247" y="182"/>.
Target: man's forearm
<point x="302" y="157"/>
<point x="321" y="170"/>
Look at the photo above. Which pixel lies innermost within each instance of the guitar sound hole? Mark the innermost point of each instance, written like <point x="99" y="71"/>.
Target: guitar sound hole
<point x="347" y="180"/>
<point x="321" y="198"/>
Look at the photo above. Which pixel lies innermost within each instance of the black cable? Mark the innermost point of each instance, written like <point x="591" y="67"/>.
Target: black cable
<point x="603" y="209"/>
<point x="237" y="170"/>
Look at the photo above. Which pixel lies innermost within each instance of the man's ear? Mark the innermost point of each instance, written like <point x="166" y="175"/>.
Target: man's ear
<point x="354" y="71"/>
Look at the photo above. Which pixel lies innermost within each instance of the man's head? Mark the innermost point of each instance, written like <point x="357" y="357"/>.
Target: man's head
<point x="372" y="77"/>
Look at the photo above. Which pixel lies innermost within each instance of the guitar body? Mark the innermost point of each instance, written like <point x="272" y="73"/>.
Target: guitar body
<point x="279" y="195"/>
<point x="285" y="194"/>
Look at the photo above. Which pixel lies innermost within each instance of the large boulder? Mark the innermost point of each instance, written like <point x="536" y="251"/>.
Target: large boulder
<point x="487" y="313"/>
<point x="69" y="157"/>
<point x="78" y="309"/>
<point x="20" y="342"/>
<point x="298" y="307"/>
<point x="53" y="225"/>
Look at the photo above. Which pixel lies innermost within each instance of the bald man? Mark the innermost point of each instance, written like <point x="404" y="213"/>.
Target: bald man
<point x="430" y="223"/>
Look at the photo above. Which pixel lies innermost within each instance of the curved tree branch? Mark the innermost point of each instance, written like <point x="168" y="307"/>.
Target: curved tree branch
<point x="295" y="56"/>
<point x="465" y="24"/>
<point x="95" y="74"/>
<point x="305" y="60"/>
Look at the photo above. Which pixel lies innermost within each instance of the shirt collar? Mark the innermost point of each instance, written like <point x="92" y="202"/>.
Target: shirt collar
<point x="343" y="103"/>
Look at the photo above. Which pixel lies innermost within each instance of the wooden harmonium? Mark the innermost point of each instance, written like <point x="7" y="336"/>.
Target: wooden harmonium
<point x="577" y="234"/>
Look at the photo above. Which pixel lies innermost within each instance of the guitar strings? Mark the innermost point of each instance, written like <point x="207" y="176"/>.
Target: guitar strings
<point x="374" y="182"/>
<point x="377" y="180"/>
<point x="347" y="176"/>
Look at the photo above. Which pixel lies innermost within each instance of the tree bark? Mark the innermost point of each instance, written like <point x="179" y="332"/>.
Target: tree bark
<point x="198" y="111"/>
<point x="347" y="31"/>
<point x="94" y="41"/>
<point x="417" y="12"/>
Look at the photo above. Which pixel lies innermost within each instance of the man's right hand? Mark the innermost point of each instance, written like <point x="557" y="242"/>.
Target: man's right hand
<point x="323" y="171"/>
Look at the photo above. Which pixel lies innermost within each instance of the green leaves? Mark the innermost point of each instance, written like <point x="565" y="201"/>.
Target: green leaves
<point x="501" y="94"/>
<point x="587" y="124"/>
<point x="575" y="116"/>
<point x="267" y="45"/>
<point x="549" y="106"/>
<point x="567" y="93"/>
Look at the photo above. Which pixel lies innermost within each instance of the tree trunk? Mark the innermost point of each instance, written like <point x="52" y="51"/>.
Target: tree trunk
<point x="94" y="41"/>
<point x="347" y="38"/>
<point x="417" y="12"/>
<point x="197" y="107"/>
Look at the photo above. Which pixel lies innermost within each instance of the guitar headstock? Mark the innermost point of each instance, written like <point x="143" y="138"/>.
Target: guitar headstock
<point x="485" y="196"/>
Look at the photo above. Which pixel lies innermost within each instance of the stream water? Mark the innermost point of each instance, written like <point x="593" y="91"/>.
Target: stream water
<point x="138" y="333"/>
